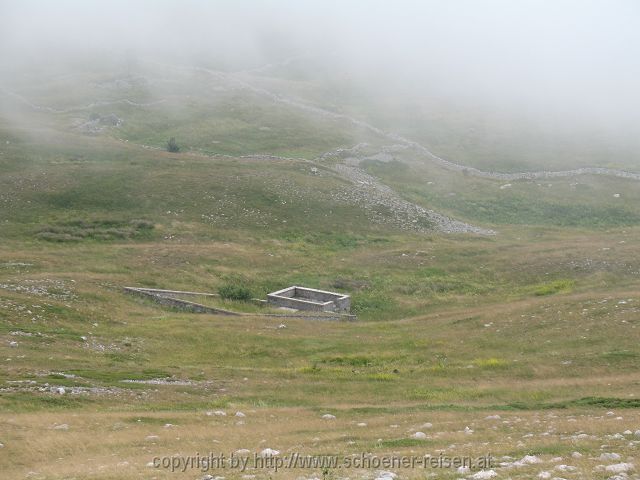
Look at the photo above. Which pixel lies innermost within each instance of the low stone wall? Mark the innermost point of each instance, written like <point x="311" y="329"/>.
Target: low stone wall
<point x="300" y="304"/>
<point x="173" y="293"/>
<point x="166" y="298"/>
<point x="343" y="304"/>
<point x="311" y="299"/>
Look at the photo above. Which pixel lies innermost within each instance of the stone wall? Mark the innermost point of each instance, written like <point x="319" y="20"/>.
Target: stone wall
<point x="167" y="299"/>
<point x="310" y="299"/>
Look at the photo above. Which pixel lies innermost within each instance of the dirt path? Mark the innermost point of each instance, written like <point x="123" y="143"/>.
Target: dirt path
<point x="419" y="147"/>
<point x="42" y="108"/>
<point x="381" y="203"/>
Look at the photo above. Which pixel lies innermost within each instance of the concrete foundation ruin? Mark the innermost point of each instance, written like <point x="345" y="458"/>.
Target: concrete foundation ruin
<point x="301" y="298"/>
<point x="319" y="304"/>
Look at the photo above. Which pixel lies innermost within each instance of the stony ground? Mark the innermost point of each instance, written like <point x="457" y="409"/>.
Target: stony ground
<point x="522" y="345"/>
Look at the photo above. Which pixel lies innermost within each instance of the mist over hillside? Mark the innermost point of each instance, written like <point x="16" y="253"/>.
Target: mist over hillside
<point x="510" y="84"/>
<point x="339" y="233"/>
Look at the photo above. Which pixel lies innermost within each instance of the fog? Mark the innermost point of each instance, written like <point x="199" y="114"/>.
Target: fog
<point x="574" y="60"/>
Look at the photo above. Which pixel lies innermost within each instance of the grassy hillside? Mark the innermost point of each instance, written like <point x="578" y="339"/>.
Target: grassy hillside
<point x="525" y="340"/>
<point x="488" y="137"/>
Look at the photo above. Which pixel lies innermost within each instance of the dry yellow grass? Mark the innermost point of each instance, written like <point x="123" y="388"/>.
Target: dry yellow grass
<point x="121" y="445"/>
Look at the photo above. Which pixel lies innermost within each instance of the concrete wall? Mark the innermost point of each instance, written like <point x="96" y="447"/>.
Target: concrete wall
<point x="300" y="304"/>
<point x="167" y="300"/>
<point x="343" y="304"/>
<point x="310" y="299"/>
<point x="337" y="310"/>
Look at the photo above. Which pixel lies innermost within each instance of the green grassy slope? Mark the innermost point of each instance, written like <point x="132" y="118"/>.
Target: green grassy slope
<point x="488" y="138"/>
<point x="542" y="316"/>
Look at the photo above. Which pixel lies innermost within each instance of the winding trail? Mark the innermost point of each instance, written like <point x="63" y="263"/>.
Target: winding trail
<point x="367" y="191"/>
<point x="42" y="108"/>
<point x="319" y="111"/>
<point x="418" y="146"/>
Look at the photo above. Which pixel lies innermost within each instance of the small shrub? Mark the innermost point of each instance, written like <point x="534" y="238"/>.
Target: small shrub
<point x="172" y="145"/>
<point x="235" y="292"/>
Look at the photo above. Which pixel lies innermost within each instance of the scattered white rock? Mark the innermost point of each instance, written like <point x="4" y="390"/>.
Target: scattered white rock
<point x="493" y="417"/>
<point x="240" y="414"/>
<point x="217" y="413"/>
<point x="576" y="455"/>
<point x="616" y="195"/>
<point x="622" y="476"/>
<point x="385" y="475"/>
<point x="506" y="185"/>
<point x="565" y="468"/>
<point x="619" y="467"/>
<point x="268" y="452"/>
<point x="609" y="456"/>
<point x="242" y="451"/>
<point x="152" y="438"/>
<point x="627" y="432"/>
<point x="419" y="436"/>
<point x="362" y="424"/>
<point x="62" y="426"/>
<point x="484" y="475"/>
<point x="13" y="344"/>
<point x="328" y="416"/>
<point x="530" y="460"/>
<point x="427" y="425"/>
<point x="463" y="470"/>
<point x="282" y="325"/>
<point x="544" y="475"/>
<point x="468" y="431"/>
<point x="61" y="390"/>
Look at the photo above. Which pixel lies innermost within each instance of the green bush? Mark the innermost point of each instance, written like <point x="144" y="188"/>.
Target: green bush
<point x="172" y="145"/>
<point x="235" y="292"/>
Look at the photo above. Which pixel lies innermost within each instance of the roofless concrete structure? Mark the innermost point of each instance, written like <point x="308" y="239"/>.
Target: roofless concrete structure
<point x="302" y="298"/>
